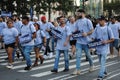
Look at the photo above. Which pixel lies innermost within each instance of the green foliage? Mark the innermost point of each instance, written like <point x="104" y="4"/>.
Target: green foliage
<point x="23" y="6"/>
<point x="112" y="6"/>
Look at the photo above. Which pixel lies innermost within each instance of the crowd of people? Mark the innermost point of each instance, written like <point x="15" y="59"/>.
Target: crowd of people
<point x="27" y="35"/>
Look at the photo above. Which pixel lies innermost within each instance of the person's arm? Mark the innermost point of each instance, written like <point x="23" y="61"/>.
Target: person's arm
<point x="68" y="36"/>
<point x="33" y="35"/>
<point x="87" y="33"/>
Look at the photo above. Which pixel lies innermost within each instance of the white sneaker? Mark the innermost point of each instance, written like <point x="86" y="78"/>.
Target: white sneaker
<point x="76" y="72"/>
<point x="9" y="66"/>
<point x="50" y="55"/>
<point x="45" y="57"/>
<point x="91" y="68"/>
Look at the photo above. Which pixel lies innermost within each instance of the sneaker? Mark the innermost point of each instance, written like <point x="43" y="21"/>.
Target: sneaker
<point x="91" y="69"/>
<point x="76" y="72"/>
<point x="9" y="66"/>
<point x="53" y="70"/>
<point x="45" y="57"/>
<point x="105" y="74"/>
<point x="65" y="70"/>
<point x="99" y="78"/>
<point x="112" y="56"/>
<point x="50" y="55"/>
<point x="27" y="68"/>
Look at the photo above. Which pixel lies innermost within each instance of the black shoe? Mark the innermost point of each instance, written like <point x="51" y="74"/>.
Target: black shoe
<point x="23" y="59"/>
<point x="18" y="55"/>
<point x="105" y="74"/>
<point x="27" y="68"/>
<point x="70" y="56"/>
<point x="99" y="78"/>
<point x="6" y="58"/>
<point x="2" y="47"/>
<point x="55" y="71"/>
<point x="65" y="70"/>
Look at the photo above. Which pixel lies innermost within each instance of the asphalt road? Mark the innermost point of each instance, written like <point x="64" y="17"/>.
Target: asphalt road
<point x="42" y="72"/>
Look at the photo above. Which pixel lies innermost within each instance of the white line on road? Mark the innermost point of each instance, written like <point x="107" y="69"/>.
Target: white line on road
<point x="67" y="78"/>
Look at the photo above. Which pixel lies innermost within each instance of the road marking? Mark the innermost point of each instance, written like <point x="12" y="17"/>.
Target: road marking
<point x="64" y="76"/>
<point x="60" y="69"/>
<point x="51" y="65"/>
<point x="67" y="78"/>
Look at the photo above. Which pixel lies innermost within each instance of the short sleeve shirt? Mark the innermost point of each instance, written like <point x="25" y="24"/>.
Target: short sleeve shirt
<point x="115" y="29"/>
<point x="40" y="34"/>
<point x="9" y="35"/>
<point x="60" y="42"/>
<point x="28" y="29"/>
<point x="46" y="26"/>
<point x="83" y="25"/>
<point x="2" y="26"/>
<point x="102" y="33"/>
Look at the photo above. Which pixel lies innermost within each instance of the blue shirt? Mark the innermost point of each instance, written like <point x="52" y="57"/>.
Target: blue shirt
<point x="18" y="25"/>
<point x="60" y="42"/>
<point x="28" y="29"/>
<point x="102" y="33"/>
<point x="2" y="26"/>
<point x="9" y="35"/>
<point x="83" y="25"/>
<point x="45" y="26"/>
<point x="72" y="28"/>
<point x="115" y="29"/>
<point x="39" y="35"/>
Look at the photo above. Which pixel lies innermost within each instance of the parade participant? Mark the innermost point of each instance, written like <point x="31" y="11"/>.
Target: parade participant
<point x="72" y="40"/>
<point x="85" y="26"/>
<point x="2" y="26"/>
<point x="26" y="39"/>
<point x="17" y="24"/>
<point x="105" y="34"/>
<point x="10" y="38"/>
<point x="46" y="26"/>
<point x="115" y="29"/>
<point x="40" y="40"/>
<point x="62" y="46"/>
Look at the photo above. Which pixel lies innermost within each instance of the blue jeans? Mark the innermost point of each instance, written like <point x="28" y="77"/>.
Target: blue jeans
<point x="66" y="59"/>
<point x="13" y="54"/>
<point x="102" y="60"/>
<point x="26" y="52"/>
<point x="79" y="48"/>
<point x="54" y="42"/>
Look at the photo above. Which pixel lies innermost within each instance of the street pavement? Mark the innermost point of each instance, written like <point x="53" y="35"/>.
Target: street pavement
<point x="42" y="72"/>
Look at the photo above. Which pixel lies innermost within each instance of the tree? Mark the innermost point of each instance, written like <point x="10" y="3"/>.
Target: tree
<point x="112" y="6"/>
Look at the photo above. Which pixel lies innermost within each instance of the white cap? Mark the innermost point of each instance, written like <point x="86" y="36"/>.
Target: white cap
<point x="35" y="17"/>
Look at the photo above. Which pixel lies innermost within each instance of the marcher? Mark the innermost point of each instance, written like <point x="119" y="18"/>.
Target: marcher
<point x="10" y="38"/>
<point x="85" y="27"/>
<point x="105" y="34"/>
<point x="46" y="27"/>
<point x="26" y="39"/>
<point x="40" y="40"/>
<point x="62" y="46"/>
<point x="115" y="29"/>
<point x="2" y="26"/>
<point x="72" y="40"/>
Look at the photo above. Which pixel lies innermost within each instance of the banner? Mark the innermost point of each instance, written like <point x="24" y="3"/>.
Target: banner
<point x="5" y="13"/>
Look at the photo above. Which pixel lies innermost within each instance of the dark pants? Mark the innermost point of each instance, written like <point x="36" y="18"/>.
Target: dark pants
<point x="47" y="49"/>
